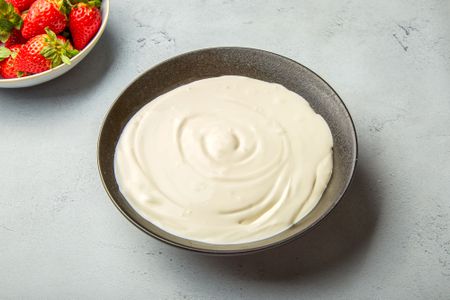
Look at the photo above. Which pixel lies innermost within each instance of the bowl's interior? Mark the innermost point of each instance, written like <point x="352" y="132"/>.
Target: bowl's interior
<point x="232" y="61"/>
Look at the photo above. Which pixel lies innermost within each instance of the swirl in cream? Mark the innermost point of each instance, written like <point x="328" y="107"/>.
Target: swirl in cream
<point x="225" y="160"/>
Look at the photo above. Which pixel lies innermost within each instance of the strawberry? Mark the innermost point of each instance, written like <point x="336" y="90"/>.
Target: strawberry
<point x="85" y="20"/>
<point x="43" y="14"/>
<point x="15" y="38"/>
<point x="43" y="52"/>
<point x="8" y="66"/>
<point x="21" y="4"/>
<point x="9" y="20"/>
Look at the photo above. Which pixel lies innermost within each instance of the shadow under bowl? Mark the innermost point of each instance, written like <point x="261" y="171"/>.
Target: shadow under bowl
<point x="253" y="63"/>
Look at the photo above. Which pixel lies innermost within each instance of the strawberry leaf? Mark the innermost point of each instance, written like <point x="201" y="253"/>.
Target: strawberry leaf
<point x="9" y="18"/>
<point x="65" y="59"/>
<point x="65" y="7"/>
<point x="5" y="30"/>
<point x="92" y="3"/>
<point x="51" y="35"/>
<point x="57" y="51"/>
<point x="4" y="53"/>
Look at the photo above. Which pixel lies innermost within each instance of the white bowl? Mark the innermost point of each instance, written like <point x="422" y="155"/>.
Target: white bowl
<point x="59" y="70"/>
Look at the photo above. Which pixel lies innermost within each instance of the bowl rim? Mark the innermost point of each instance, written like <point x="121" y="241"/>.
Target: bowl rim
<point x="242" y="251"/>
<point x="75" y="59"/>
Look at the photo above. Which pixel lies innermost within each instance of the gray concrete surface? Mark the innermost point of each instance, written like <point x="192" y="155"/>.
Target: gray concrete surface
<point x="61" y="238"/>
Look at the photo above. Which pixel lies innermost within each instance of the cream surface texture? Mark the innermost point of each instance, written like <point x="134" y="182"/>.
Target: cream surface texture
<point x="225" y="160"/>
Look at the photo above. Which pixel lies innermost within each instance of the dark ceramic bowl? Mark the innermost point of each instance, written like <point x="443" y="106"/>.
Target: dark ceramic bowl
<point x="253" y="63"/>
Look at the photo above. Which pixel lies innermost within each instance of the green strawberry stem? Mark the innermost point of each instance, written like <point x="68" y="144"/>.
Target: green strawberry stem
<point x="9" y="20"/>
<point x="56" y="50"/>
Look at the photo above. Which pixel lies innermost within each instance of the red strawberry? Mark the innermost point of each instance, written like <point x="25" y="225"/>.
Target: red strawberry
<point x="43" y="52"/>
<point x="8" y="66"/>
<point x="21" y="4"/>
<point x="43" y="14"/>
<point x="9" y="20"/>
<point x="15" y="38"/>
<point x="85" y="20"/>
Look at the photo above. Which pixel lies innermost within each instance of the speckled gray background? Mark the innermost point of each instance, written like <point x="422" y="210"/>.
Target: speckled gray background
<point x="60" y="237"/>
